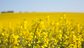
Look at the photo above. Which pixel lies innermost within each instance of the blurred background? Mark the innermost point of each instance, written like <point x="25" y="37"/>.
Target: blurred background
<point x="32" y="9"/>
<point x="42" y="5"/>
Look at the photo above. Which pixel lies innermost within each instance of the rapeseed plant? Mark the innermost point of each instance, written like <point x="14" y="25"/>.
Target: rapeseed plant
<point x="44" y="33"/>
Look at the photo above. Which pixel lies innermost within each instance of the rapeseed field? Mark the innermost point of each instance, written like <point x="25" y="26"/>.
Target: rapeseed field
<point x="41" y="30"/>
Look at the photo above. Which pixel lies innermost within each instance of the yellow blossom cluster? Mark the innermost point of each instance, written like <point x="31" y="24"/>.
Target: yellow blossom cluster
<point x="43" y="33"/>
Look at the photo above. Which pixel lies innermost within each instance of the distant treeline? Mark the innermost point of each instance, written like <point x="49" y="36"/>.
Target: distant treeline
<point x="7" y="12"/>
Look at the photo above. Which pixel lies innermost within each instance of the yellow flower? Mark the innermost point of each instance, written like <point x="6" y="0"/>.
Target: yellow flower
<point x="16" y="39"/>
<point x="42" y="24"/>
<point x="3" y="34"/>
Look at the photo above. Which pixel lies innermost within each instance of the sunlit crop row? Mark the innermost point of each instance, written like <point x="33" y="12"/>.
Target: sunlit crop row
<point x="43" y="33"/>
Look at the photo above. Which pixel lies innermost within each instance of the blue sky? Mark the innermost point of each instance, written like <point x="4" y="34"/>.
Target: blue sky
<point x="42" y="5"/>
